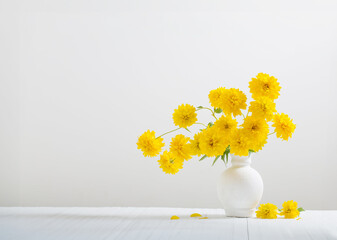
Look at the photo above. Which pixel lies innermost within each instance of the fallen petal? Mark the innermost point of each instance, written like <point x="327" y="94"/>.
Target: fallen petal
<point x="195" y="215"/>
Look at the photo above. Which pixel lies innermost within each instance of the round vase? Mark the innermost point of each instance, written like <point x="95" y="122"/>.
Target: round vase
<point x="240" y="188"/>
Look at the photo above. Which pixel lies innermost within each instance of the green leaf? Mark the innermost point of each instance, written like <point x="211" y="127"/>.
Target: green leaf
<point x="300" y="209"/>
<point x="218" y="110"/>
<point x="215" y="159"/>
<point x="280" y="210"/>
<point x="201" y="130"/>
<point x="251" y="151"/>
<point x="226" y="153"/>
<point x="203" y="157"/>
<point x="200" y="107"/>
<point x="187" y="129"/>
<point x="210" y="124"/>
<point x="228" y="149"/>
<point x="223" y="158"/>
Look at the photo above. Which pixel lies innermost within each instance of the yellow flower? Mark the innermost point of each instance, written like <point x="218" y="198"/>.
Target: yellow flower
<point x="284" y="127"/>
<point x="180" y="148"/>
<point x="212" y="142"/>
<point x="195" y="144"/>
<point x="184" y="116"/>
<point x="256" y="129"/>
<point x="226" y="124"/>
<point x="169" y="164"/>
<point x="214" y="96"/>
<point x="264" y="86"/>
<point x="240" y="143"/>
<point x="267" y="211"/>
<point x="232" y="101"/>
<point x="149" y="144"/>
<point x="263" y="107"/>
<point x="258" y="144"/>
<point x="289" y="209"/>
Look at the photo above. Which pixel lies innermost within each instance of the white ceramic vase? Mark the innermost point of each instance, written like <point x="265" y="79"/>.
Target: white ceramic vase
<point x="240" y="188"/>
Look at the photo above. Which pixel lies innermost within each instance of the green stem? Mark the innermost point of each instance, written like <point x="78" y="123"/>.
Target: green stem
<point x="210" y="110"/>
<point x="201" y="124"/>
<point x="168" y="132"/>
<point x="271" y="133"/>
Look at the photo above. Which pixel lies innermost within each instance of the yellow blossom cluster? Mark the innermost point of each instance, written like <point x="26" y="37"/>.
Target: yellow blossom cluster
<point x="270" y="211"/>
<point x="233" y="131"/>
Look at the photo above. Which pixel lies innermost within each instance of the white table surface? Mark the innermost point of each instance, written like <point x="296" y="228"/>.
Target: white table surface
<point x="154" y="223"/>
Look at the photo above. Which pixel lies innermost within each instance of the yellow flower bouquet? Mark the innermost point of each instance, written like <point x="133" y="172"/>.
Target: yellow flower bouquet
<point x="233" y="131"/>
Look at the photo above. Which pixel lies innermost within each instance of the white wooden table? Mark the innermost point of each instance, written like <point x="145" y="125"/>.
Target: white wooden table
<point x="154" y="223"/>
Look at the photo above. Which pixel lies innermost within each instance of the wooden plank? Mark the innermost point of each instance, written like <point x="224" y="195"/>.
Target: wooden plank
<point x="155" y="223"/>
<point x="118" y="223"/>
<point x="312" y="225"/>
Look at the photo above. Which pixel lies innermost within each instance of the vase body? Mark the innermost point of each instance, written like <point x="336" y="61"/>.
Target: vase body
<point x="240" y="188"/>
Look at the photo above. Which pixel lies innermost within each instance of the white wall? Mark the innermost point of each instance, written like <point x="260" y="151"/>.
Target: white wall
<point x="81" y="80"/>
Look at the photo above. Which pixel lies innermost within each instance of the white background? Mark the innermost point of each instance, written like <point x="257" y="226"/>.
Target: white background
<point x="81" y="80"/>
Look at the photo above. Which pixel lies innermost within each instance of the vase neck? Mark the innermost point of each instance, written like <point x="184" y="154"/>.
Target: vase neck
<point x="238" y="161"/>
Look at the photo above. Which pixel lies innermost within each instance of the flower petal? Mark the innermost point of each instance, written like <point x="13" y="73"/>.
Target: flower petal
<point x="196" y="215"/>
